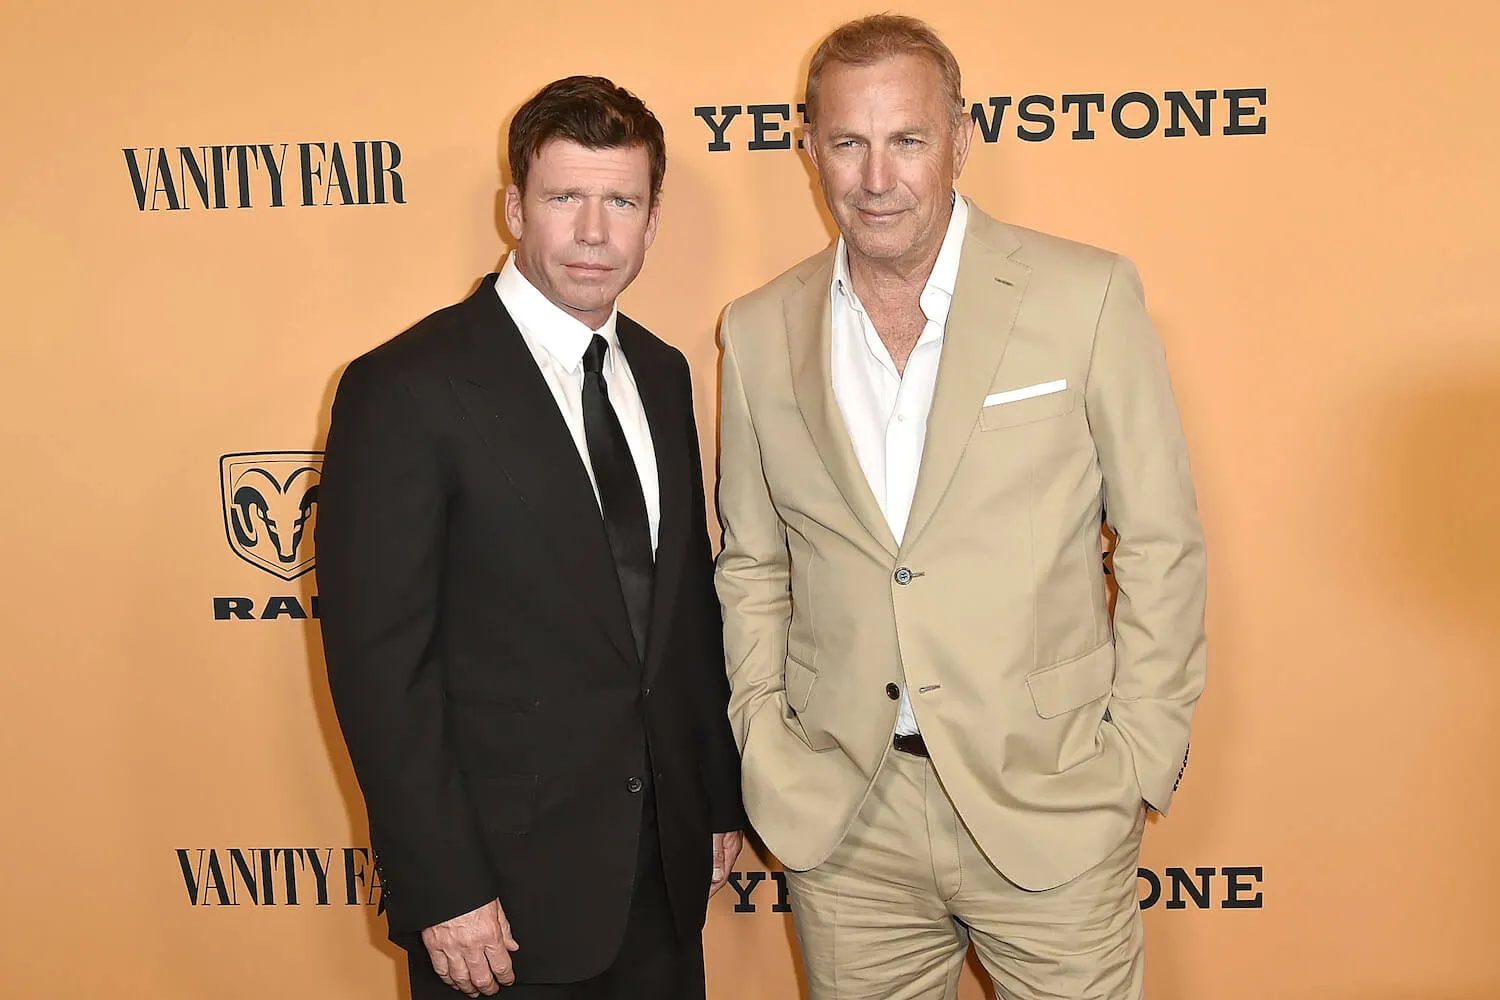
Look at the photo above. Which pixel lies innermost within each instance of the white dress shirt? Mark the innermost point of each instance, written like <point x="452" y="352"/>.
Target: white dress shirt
<point x="557" y="342"/>
<point x="886" y="412"/>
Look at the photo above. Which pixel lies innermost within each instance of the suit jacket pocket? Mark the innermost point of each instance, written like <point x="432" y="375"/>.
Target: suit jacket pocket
<point x="800" y="679"/>
<point x="1025" y="411"/>
<point x="1071" y="684"/>
<point x="504" y="803"/>
<point x="493" y="734"/>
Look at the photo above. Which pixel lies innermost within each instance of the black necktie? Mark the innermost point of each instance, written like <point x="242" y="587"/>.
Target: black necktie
<point x="620" y="495"/>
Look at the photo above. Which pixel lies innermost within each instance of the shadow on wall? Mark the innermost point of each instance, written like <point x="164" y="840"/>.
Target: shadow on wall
<point x="1436" y="498"/>
<point x="1423" y="521"/>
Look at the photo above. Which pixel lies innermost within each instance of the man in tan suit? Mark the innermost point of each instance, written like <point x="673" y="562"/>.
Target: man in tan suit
<point x="945" y="737"/>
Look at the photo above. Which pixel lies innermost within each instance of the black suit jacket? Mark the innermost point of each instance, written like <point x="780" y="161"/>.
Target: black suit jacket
<point x="499" y="719"/>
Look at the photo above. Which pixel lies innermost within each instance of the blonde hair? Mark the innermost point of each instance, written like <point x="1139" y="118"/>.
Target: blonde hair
<point x="876" y="37"/>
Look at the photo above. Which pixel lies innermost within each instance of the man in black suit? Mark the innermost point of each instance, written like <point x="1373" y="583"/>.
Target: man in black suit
<point x="519" y="619"/>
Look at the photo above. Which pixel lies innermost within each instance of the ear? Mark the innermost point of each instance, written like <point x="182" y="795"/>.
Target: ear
<point x="963" y="138"/>
<point x="810" y="143"/>
<point x="652" y="220"/>
<point x="514" y="217"/>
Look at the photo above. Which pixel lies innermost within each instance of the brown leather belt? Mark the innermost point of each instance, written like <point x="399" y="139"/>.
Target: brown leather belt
<point x="913" y="744"/>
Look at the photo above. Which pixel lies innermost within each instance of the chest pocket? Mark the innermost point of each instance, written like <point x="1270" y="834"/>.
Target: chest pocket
<point x="1000" y="415"/>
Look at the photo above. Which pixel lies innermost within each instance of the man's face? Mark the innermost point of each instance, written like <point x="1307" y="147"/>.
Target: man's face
<point x="583" y="224"/>
<point x="887" y="152"/>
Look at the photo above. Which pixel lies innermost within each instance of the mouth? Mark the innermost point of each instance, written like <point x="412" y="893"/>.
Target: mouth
<point x="882" y="217"/>
<point x="589" y="269"/>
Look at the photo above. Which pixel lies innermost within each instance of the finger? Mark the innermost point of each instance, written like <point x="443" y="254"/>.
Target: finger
<point x="477" y="966"/>
<point x="718" y="875"/>
<point x="500" y="964"/>
<point x="458" y="974"/>
<point x="506" y="937"/>
<point x="480" y="975"/>
<point x="439" y="964"/>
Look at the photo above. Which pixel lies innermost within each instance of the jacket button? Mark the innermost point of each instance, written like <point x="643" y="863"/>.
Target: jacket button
<point x="892" y="692"/>
<point x="903" y="576"/>
<point x="634" y="784"/>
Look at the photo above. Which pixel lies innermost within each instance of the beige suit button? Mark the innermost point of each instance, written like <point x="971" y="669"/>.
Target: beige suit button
<point x="903" y="576"/>
<point x="892" y="692"/>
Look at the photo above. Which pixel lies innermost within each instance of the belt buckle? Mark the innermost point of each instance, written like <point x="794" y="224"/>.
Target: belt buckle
<point x="911" y="743"/>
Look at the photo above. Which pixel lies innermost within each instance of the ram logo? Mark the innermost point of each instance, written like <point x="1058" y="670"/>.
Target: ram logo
<point x="270" y="506"/>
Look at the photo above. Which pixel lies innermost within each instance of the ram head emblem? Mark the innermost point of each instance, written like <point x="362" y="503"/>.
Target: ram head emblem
<point x="270" y="506"/>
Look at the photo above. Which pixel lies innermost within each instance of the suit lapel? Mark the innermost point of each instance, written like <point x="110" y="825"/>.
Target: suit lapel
<point x="515" y="413"/>
<point x="669" y="425"/>
<point x="986" y="300"/>
<point x="809" y="325"/>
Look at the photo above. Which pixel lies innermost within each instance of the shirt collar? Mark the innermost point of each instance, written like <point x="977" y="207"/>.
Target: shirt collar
<point x="560" y="335"/>
<point x="944" y="276"/>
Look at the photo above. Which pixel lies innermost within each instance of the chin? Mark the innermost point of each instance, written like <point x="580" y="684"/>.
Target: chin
<point x="887" y="246"/>
<point x="590" y="288"/>
<point x="591" y="299"/>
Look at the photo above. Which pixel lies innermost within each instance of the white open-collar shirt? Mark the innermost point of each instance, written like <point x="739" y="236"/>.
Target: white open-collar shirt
<point x="886" y="412"/>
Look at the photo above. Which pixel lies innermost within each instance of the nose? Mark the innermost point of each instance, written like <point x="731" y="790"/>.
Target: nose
<point x="593" y="228"/>
<point x="878" y="176"/>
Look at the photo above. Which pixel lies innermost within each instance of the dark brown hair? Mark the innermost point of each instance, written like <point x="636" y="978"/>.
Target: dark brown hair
<point x="877" y="37"/>
<point x="592" y="112"/>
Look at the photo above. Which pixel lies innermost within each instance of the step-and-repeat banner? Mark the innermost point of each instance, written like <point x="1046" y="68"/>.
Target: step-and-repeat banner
<point x="208" y="209"/>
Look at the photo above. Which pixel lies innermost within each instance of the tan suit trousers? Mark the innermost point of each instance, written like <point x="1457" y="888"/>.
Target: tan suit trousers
<point x="890" y="914"/>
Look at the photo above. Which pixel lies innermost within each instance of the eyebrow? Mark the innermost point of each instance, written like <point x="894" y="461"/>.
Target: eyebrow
<point x="924" y="131"/>
<point x="548" y="192"/>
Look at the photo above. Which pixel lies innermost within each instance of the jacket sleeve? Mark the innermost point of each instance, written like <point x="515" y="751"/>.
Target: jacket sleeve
<point x="754" y="568"/>
<point x="720" y="763"/>
<point x="1159" y="561"/>
<point x="380" y="529"/>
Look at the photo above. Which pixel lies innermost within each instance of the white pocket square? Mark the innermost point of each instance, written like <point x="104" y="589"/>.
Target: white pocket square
<point x="1026" y="392"/>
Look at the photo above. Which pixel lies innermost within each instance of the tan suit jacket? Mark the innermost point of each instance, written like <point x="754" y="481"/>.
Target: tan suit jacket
<point x="1047" y="723"/>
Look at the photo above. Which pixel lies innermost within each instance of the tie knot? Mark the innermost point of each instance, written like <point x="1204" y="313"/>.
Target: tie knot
<point x="593" y="358"/>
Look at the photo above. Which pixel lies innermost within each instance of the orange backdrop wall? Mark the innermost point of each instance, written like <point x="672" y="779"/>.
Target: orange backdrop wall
<point x="207" y="209"/>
